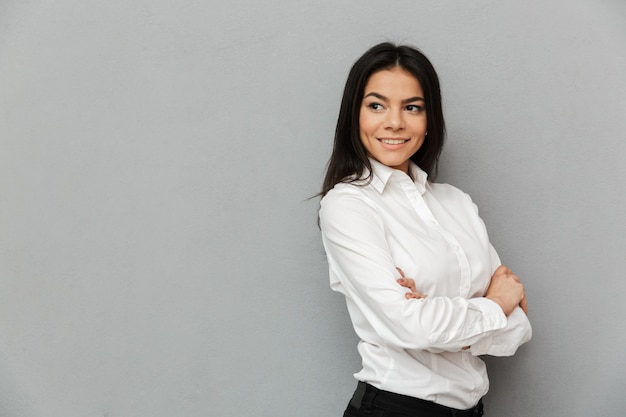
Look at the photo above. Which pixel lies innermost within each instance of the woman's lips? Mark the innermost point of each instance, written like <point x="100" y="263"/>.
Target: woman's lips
<point x="392" y="143"/>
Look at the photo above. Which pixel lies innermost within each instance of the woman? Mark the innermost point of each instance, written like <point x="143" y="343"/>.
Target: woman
<point x="382" y="217"/>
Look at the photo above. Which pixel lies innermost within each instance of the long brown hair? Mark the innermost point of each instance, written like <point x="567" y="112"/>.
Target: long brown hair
<point x="349" y="159"/>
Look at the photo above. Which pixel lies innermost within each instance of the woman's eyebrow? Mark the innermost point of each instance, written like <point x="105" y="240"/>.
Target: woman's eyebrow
<point x="412" y="99"/>
<point x="383" y="98"/>
<point x="378" y="96"/>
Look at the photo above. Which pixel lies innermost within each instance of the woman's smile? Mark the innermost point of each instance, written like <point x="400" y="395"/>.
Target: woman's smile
<point x="393" y="141"/>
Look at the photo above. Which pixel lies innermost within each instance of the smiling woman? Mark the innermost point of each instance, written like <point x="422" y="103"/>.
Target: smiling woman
<point x="350" y="158"/>
<point x="382" y="216"/>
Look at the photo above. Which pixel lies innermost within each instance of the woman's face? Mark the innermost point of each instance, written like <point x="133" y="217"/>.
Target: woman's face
<point x="392" y="120"/>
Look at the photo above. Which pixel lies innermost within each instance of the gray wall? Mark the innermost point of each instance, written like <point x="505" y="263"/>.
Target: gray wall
<point x="158" y="256"/>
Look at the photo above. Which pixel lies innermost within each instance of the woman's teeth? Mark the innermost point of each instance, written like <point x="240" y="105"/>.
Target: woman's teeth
<point x="393" y="141"/>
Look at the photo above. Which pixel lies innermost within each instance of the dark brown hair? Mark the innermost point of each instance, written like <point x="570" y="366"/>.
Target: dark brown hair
<point x="349" y="159"/>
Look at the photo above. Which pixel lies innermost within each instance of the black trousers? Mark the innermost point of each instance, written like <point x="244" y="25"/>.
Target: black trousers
<point x="369" y="401"/>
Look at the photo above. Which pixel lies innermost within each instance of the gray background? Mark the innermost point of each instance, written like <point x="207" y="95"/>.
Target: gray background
<point x="159" y="256"/>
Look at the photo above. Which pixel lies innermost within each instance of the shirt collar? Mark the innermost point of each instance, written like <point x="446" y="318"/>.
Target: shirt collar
<point x="382" y="174"/>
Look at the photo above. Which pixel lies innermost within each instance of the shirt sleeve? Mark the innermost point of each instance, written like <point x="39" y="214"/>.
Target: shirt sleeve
<point x="361" y="267"/>
<point x="506" y="341"/>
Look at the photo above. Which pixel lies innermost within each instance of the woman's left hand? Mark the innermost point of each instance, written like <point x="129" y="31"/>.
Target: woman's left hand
<point x="410" y="284"/>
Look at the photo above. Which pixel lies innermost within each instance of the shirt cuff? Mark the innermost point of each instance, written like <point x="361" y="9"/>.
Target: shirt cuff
<point x="495" y="319"/>
<point x="493" y="316"/>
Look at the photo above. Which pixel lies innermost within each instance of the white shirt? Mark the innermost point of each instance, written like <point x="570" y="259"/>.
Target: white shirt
<point x="434" y="234"/>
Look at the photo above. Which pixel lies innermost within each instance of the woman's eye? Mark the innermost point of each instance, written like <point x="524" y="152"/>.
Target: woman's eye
<point x="375" y="106"/>
<point x="414" y="108"/>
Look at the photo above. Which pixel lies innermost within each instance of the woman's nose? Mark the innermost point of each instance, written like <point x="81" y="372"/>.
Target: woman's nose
<point x="394" y="120"/>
